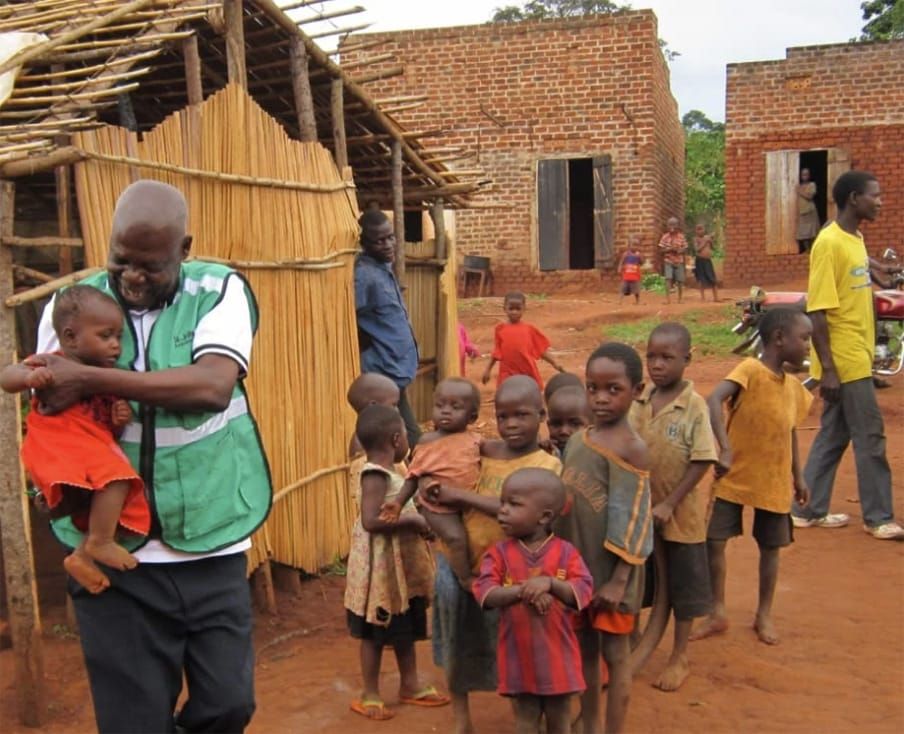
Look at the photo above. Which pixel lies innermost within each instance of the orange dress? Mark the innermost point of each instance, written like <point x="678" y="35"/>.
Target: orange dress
<point x="517" y="349"/>
<point x="76" y="450"/>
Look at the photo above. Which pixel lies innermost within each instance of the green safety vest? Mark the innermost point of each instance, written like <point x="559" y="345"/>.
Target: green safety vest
<point x="206" y="477"/>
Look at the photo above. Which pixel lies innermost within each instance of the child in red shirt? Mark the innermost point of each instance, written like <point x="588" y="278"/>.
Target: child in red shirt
<point x="629" y="269"/>
<point x="518" y="345"/>
<point x="537" y="580"/>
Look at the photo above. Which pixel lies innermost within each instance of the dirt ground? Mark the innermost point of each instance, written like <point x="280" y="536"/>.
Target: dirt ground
<point x="839" y="667"/>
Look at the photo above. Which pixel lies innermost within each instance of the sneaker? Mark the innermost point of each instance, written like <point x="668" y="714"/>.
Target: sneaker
<point x="836" y="520"/>
<point x="886" y="531"/>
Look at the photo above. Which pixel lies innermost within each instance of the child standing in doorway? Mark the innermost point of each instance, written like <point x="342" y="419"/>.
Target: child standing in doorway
<point x="608" y="519"/>
<point x="73" y="457"/>
<point x="536" y="579"/>
<point x="390" y="570"/>
<point x="518" y="345"/>
<point x="673" y="421"/>
<point x="759" y="464"/>
<point x="629" y="269"/>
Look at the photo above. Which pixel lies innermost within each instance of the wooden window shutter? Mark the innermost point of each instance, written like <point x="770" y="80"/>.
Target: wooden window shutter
<point x="837" y="163"/>
<point x="552" y="214"/>
<point x="603" y="219"/>
<point x="782" y="175"/>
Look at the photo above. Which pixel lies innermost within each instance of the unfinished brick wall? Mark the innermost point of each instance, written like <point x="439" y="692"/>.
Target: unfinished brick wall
<point x="517" y="93"/>
<point x="845" y="96"/>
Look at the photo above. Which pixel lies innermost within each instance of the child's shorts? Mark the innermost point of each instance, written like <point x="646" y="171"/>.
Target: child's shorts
<point x="770" y="529"/>
<point x="410" y="626"/>
<point x="690" y="590"/>
<point x="674" y="272"/>
<point x="630" y="287"/>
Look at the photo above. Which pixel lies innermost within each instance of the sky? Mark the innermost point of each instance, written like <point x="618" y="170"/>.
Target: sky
<point x="707" y="33"/>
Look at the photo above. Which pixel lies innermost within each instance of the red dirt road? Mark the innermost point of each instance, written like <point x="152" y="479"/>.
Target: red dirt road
<point x="839" y="667"/>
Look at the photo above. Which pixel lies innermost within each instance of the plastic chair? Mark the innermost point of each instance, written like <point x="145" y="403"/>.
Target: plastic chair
<point x="479" y="266"/>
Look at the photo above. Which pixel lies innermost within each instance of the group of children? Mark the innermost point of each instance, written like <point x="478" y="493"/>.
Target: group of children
<point x="542" y="544"/>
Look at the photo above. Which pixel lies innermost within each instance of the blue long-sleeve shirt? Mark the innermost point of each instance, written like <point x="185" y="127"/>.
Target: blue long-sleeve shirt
<point x="385" y="337"/>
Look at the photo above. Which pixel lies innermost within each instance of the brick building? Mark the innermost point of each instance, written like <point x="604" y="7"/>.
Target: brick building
<point x="574" y="122"/>
<point x="826" y="108"/>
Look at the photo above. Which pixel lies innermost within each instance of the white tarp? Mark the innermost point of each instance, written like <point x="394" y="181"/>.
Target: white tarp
<point x="10" y="45"/>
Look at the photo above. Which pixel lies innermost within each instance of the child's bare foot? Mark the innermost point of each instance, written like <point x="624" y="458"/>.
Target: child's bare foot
<point x="674" y="675"/>
<point x="712" y="626"/>
<point x="110" y="554"/>
<point x="765" y="630"/>
<point x="83" y="569"/>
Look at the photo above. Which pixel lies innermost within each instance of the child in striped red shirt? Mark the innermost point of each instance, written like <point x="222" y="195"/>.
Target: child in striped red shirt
<point x="537" y="579"/>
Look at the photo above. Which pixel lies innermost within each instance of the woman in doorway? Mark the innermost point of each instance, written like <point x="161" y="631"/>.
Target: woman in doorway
<point x="807" y="215"/>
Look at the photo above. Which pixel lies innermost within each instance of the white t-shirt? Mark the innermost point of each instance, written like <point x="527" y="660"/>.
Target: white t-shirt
<point x="225" y="330"/>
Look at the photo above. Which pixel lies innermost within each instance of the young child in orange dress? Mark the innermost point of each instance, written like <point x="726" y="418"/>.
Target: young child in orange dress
<point x="73" y="457"/>
<point x="629" y="269"/>
<point x="518" y="345"/>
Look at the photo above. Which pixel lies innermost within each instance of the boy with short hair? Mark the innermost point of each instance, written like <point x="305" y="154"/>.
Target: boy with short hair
<point x="536" y="580"/>
<point x="673" y="246"/>
<point x="674" y="422"/>
<point x="518" y="345"/>
<point x="567" y="412"/>
<point x="759" y="460"/>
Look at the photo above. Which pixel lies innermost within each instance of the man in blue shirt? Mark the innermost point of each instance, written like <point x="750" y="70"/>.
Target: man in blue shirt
<point x="385" y="336"/>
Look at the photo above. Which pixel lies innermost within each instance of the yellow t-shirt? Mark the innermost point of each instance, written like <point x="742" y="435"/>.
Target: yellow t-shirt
<point x="677" y="435"/>
<point x="760" y="420"/>
<point x="839" y="284"/>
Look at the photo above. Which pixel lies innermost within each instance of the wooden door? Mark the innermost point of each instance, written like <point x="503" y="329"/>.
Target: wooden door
<point x="782" y="174"/>
<point x="837" y="163"/>
<point x="603" y="224"/>
<point x="552" y="214"/>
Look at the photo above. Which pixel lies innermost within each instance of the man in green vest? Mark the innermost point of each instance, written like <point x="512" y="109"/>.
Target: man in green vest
<point x="185" y="352"/>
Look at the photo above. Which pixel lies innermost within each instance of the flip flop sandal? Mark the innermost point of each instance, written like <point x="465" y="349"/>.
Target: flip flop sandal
<point x="373" y="709"/>
<point x="428" y="696"/>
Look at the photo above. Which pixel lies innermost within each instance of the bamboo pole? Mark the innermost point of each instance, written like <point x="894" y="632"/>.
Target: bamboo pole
<point x="388" y="72"/>
<point x="39" y="164"/>
<point x="194" y="87"/>
<point x="437" y="214"/>
<point x="31" y="274"/>
<point x="15" y="529"/>
<point x="340" y="31"/>
<point x="340" y="149"/>
<point x="398" y="212"/>
<point x="235" y="42"/>
<point x="47" y="288"/>
<point x="13" y="241"/>
<point x="301" y="87"/>
<point x="332" y="14"/>
<point x="42" y="49"/>
<point x="63" y="180"/>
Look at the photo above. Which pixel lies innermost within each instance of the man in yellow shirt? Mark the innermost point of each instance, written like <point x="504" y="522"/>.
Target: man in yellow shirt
<point x="840" y="305"/>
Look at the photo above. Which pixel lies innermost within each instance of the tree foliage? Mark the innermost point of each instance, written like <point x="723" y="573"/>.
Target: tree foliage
<point x="704" y="170"/>
<point x="539" y="9"/>
<point x="884" y="20"/>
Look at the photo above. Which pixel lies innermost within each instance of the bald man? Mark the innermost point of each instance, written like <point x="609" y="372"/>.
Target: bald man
<point x="185" y="352"/>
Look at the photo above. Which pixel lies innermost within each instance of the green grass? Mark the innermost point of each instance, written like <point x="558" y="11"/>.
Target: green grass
<point x="710" y="333"/>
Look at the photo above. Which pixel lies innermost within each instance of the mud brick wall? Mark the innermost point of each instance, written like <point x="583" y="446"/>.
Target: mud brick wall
<point x="516" y="93"/>
<point x="844" y="96"/>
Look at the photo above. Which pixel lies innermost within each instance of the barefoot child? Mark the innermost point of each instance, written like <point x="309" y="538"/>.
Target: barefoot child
<point x="536" y="579"/>
<point x="464" y="636"/>
<point x="72" y="457"/>
<point x="673" y="421"/>
<point x="518" y="345"/>
<point x="608" y="519"/>
<point x="390" y="571"/>
<point x="704" y="272"/>
<point x="568" y="412"/>
<point x="629" y="269"/>
<point x="449" y="455"/>
<point x="758" y="460"/>
<point x="673" y="247"/>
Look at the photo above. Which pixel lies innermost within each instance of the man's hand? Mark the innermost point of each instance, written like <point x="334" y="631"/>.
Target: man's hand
<point x="609" y="596"/>
<point x="662" y="512"/>
<point x="830" y="386"/>
<point x="724" y="462"/>
<point x="534" y="588"/>
<point x="39" y="378"/>
<point x="442" y="495"/>
<point x="121" y="413"/>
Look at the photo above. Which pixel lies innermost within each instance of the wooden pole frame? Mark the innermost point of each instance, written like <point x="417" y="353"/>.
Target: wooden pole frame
<point x="15" y="525"/>
<point x="301" y="87"/>
<point x="337" y="110"/>
<point x="398" y="212"/>
<point x="235" y="42"/>
<point x="194" y="87"/>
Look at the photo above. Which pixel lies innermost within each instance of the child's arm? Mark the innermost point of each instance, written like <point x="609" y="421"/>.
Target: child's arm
<point x="502" y="596"/>
<point x="725" y="390"/>
<point x="612" y="592"/>
<point x="390" y="511"/>
<point x="19" y="377"/>
<point x="373" y="493"/>
<point x="534" y="588"/>
<point x="547" y="357"/>
<point x="487" y="373"/>
<point x="801" y="490"/>
<point x="696" y="470"/>
<point x="120" y="415"/>
<point x="488" y="587"/>
<point x="464" y="499"/>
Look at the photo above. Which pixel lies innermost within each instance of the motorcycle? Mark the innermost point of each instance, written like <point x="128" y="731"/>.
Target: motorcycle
<point x="889" y="310"/>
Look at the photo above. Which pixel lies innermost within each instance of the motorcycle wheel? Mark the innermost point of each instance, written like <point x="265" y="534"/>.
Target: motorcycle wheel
<point x="651" y="624"/>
